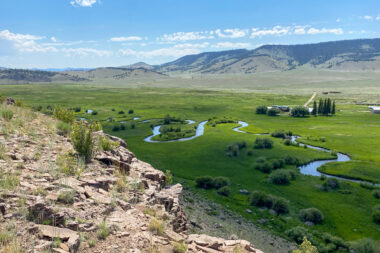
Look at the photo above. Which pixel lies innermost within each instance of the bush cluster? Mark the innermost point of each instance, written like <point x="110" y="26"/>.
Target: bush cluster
<point x="273" y="111"/>
<point x="290" y="160"/>
<point x="262" y="199"/>
<point x="64" y="115"/>
<point x="267" y="166"/>
<point x="330" y="183"/>
<point x="263" y="143"/>
<point x="299" y="111"/>
<point x="282" y="177"/>
<point x="234" y="149"/>
<point x="376" y="193"/>
<point x="311" y="214"/>
<point x="281" y="134"/>
<point x="208" y="182"/>
<point x="262" y="109"/>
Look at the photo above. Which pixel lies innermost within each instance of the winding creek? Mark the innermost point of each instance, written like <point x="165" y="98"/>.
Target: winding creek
<point x="307" y="169"/>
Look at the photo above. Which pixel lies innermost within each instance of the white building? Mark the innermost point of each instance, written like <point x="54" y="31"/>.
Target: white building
<point x="374" y="109"/>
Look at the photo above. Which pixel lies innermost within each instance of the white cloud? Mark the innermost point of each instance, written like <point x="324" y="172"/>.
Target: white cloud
<point x="25" y="42"/>
<point x="231" y="45"/>
<point x="185" y="36"/>
<point x="86" y="52"/>
<point x="378" y="17"/>
<point x="122" y="39"/>
<point x="166" y="52"/>
<point x="277" y="31"/>
<point x="338" y="20"/>
<point x="231" y="33"/>
<point x="53" y="39"/>
<point x="17" y="37"/>
<point x="83" y="3"/>
<point x="367" y="17"/>
<point x="337" y="31"/>
<point x="192" y="45"/>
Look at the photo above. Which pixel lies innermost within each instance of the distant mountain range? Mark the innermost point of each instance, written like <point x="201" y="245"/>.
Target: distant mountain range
<point x="351" y="55"/>
<point x="347" y="55"/>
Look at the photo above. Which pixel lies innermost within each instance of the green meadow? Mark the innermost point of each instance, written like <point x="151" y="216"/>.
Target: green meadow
<point x="353" y="130"/>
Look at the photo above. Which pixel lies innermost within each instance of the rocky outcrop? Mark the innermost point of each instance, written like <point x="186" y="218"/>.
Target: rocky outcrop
<point x="115" y="203"/>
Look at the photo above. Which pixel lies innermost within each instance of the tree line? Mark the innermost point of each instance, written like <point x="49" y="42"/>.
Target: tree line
<point x="325" y="107"/>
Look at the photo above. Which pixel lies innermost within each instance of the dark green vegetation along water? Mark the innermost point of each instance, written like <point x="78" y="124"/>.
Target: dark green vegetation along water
<point x="347" y="210"/>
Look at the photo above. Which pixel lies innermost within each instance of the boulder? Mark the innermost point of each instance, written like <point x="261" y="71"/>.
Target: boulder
<point x="69" y="236"/>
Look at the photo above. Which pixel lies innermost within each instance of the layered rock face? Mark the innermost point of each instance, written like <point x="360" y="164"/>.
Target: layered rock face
<point x="50" y="202"/>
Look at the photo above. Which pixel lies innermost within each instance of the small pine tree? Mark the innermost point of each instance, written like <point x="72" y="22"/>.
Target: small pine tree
<point x="306" y="247"/>
<point x="314" y="112"/>
<point x="320" y="107"/>
<point x="328" y="106"/>
<point x="333" y="108"/>
<point x="325" y="108"/>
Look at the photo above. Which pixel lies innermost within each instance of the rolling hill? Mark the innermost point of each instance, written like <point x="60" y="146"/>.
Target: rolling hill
<point x="22" y="76"/>
<point x="349" y="55"/>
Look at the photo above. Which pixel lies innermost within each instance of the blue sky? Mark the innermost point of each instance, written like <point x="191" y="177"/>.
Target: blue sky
<point x="93" y="33"/>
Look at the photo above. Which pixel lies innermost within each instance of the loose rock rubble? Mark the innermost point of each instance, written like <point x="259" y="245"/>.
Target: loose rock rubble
<point x="115" y="203"/>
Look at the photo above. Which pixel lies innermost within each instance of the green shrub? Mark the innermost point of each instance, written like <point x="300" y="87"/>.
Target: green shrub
<point x="331" y="183"/>
<point x="376" y="214"/>
<point x="299" y="111"/>
<point x="9" y="181"/>
<point x="95" y="126"/>
<point x="261" y="143"/>
<point x="64" y="128"/>
<point x="82" y="140"/>
<point x="365" y="245"/>
<point x="265" y="167"/>
<point x="94" y="113"/>
<point x="311" y="214"/>
<point x="259" y="198"/>
<point x="287" y="142"/>
<point x="103" y="231"/>
<point x="291" y="160"/>
<point x="224" y="191"/>
<point x="64" y="115"/>
<point x="273" y="112"/>
<point x="262" y="109"/>
<point x="7" y="115"/>
<point x="131" y="111"/>
<point x="67" y="197"/>
<point x="279" y="134"/>
<point x="376" y="193"/>
<point x="280" y="177"/>
<point x="281" y="205"/>
<point x="168" y="177"/>
<point x="116" y="128"/>
<point x="297" y="234"/>
<point x="121" y="112"/>
<point x="260" y="159"/>
<point x="179" y="247"/>
<point x="306" y="247"/>
<point x="278" y="163"/>
<point x="106" y="144"/>
<point x="220" y="182"/>
<point x="157" y="226"/>
<point x="205" y="182"/>
<point x="335" y="242"/>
